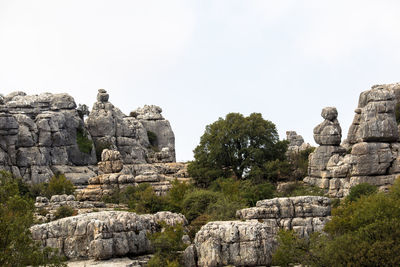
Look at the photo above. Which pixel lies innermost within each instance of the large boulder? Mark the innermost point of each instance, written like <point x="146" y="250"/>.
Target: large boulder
<point x="103" y="235"/>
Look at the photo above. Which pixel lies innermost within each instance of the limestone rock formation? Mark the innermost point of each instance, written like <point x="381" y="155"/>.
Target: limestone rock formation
<point x="371" y="151"/>
<point x="296" y="142"/>
<point x="329" y="131"/>
<point x="103" y="235"/>
<point x="41" y="135"/>
<point x="304" y="214"/>
<point x="116" y="176"/>
<point x="38" y="134"/>
<point x="251" y="241"/>
<point x="153" y="122"/>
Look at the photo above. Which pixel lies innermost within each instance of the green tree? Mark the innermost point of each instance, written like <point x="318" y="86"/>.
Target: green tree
<point x="16" y="216"/>
<point x="236" y="146"/>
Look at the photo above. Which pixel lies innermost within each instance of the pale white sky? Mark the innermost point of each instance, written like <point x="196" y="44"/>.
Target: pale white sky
<point x="200" y="60"/>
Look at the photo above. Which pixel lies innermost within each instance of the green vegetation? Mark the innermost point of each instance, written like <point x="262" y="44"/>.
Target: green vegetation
<point x="84" y="143"/>
<point x="363" y="232"/>
<point x="240" y="147"/>
<point x="300" y="189"/>
<point x="299" y="163"/>
<point x="16" y="216"/>
<point x="167" y="245"/>
<point x="152" y="138"/>
<point x="363" y="189"/>
<point x="64" y="211"/>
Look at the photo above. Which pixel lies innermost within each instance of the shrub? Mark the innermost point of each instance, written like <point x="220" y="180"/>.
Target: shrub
<point x="197" y="223"/>
<point x="16" y="216"/>
<point x="301" y="189"/>
<point x="224" y="209"/>
<point x="299" y="163"/>
<point x="251" y="193"/>
<point x="196" y="202"/>
<point x="64" y="211"/>
<point x="363" y="189"/>
<point x="84" y="143"/>
<point x="143" y="199"/>
<point x="167" y="244"/>
<point x="176" y="195"/>
<point x="59" y="185"/>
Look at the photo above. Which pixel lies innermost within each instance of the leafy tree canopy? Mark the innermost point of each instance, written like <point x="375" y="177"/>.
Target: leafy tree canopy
<point x="237" y="146"/>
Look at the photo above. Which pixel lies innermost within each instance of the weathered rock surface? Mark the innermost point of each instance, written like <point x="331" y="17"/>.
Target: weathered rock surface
<point x="371" y="151"/>
<point x="304" y="214"/>
<point x="112" y="129"/>
<point x="117" y="176"/>
<point x="329" y="131"/>
<point x="38" y="136"/>
<point x="39" y="132"/>
<point x="153" y="121"/>
<point x="46" y="209"/>
<point x="251" y="241"/>
<point x="296" y="142"/>
<point x="102" y="235"/>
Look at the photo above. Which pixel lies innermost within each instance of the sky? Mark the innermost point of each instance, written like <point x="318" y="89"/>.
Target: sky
<point x="200" y="60"/>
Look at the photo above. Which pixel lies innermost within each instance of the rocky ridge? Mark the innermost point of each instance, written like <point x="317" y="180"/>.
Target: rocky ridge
<point x="251" y="241"/>
<point x="370" y="153"/>
<point x="39" y="136"/>
<point x="113" y="175"/>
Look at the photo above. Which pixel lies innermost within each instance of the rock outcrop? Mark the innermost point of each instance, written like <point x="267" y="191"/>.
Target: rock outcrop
<point x="103" y="235"/>
<point x="371" y="151"/>
<point x="296" y="142"/>
<point x="116" y="176"/>
<point x="112" y="129"/>
<point x="40" y="135"/>
<point x="251" y="241"/>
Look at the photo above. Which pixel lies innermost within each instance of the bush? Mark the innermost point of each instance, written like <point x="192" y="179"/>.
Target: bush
<point x="152" y="138"/>
<point x="363" y="232"/>
<point x="301" y="189"/>
<point x="84" y="143"/>
<point x="299" y="163"/>
<point x="251" y="193"/>
<point x="176" y="195"/>
<point x="196" y="203"/>
<point x="16" y="216"/>
<point x="197" y="223"/>
<point x="59" y="185"/>
<point x="363" y="189"/>
<point x="167" y="244"/>
<point x="64" y="211"/>
<point x="143" y="199"/>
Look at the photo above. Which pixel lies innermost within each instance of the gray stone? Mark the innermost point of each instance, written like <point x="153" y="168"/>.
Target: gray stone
<point x="99" y="235"/>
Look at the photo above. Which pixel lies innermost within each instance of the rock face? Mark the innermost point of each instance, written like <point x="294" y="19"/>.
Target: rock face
<point x="164" y="143"/>
<point x="39" y="136"/>
<point x="112" y="129"/>
<point x="251" y="241"/>
<point x="103" y="235"/>
<point x="115" y="176"/>
<point x="296" y="142"/>
<point x="371" y="151"/>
